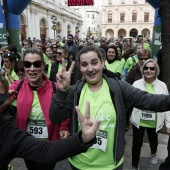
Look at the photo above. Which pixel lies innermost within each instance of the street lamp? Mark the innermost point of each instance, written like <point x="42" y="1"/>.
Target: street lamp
<point x="89" y="33"/>
<point x="77" y="31"/>
<point x="54" y="21"/>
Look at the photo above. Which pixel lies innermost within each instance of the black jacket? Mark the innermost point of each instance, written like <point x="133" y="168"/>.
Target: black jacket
<point x="123" y="96"/>
<point x="76" y="75"/>
<point x="17" y="143"/>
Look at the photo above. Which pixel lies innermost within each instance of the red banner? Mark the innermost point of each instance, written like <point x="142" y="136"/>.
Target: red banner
<point x="80" y="2"/>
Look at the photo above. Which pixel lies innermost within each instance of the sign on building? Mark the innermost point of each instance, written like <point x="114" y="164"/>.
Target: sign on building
<point x="80" y="2"/>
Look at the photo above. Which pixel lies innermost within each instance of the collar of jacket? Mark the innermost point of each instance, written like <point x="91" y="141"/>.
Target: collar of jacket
<point x="112" y="87"/>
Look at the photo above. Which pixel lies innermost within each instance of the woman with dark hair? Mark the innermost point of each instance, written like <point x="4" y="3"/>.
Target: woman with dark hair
<point x="13" y="49"/>
<point x="113" y="62"/>
<point x="51" y="59"/>
<point x="71" y="56"/>
<point x="32" y="111"/>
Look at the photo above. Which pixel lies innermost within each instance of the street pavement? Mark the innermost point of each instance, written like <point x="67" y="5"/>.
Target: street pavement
<point x="144" y="157"/>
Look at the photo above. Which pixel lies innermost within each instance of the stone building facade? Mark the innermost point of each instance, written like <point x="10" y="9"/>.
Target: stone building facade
<point x="36" y="20"/>
<point x="127" y="18"/>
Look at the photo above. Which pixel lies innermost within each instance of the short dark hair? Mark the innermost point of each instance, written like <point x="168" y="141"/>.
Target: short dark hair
<point x="12" y="57"/>
<point x="70" y="35"/>
<point x="29" y="42"/>
<point x="103" y="52"/>
<point x="34" y="51"/>
<point x="65" y="49"/>
<point x="88" y="49"/>
<point x="36" y="40"/>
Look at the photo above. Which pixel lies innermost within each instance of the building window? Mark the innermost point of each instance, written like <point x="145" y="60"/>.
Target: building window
<point x="110" y="2"/>
<point x="122" y="1"/>
<point x="109" y="16"/>
<point x="87" y="15"/>
<point x="146" y="17"/>
<point x="135" y="1"/>
<point x="92" y="16"/>
<point x="134" y="17"/>
<point x="122" y="17"/>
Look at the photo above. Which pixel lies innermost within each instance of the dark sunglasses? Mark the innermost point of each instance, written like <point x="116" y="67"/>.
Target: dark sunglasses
<point x="7" y="54"/>
<point x="36" y="64"/>
<point x="143" y="58"/>
<point x="59" y="53"/>
<point x="150" y="68"/>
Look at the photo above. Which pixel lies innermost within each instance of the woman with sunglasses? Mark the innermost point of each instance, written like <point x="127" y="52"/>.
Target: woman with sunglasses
<point x="33" y="101"/>
<point x="148" y="120"/>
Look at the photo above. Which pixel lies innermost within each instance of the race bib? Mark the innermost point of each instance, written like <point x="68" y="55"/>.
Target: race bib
<point x="101" y="141"/>
<point x="148" y="115"/>
<point x="37" y="128"/>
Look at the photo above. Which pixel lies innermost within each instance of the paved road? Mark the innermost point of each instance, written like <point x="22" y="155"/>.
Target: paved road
<point x="144" y="159"/>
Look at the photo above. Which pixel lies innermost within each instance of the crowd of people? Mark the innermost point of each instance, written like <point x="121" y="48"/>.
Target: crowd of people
<point x="51" y="84"/>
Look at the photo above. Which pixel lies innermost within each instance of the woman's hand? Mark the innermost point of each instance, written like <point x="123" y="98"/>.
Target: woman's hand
<point x="89" y="126"/>
<point x="64" y="76"/>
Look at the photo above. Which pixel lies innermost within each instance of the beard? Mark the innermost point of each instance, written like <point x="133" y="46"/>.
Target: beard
<point x="69" y="42"/>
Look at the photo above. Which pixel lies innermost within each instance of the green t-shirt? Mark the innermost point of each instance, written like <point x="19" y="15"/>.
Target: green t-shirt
<point x="115" y="67"/>
<point x="36" y="124"/>
<point x="60" y="66"/>
<point x="99" y="156"/>
<point x="131" y="62"/>
<point x="146" y="46"/>
<point x="148" y="118"/>
<point x="49" y="68"/>
<point x="15" y="77"/>
<point x="122" y="62"/>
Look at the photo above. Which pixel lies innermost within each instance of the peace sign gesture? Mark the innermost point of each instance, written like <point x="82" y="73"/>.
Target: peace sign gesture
<point x="89" y="127"/>
<point x="64" y="76"/>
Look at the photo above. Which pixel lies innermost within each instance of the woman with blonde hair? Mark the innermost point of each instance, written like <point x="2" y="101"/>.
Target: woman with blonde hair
<point x="148" y="120"/>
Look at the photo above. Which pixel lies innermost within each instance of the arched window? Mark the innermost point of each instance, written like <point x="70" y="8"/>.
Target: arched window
<point x="109" y="16"/>
<point x="23" y="28"/>
<point x="42" y="29"/>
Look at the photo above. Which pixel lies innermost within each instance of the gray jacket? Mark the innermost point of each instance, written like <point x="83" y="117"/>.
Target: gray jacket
<point x="123" y="96"/>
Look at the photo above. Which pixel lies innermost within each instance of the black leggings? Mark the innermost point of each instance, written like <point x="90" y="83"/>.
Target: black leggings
<point x="35" y="166"/>
<point x="138" y="135"/>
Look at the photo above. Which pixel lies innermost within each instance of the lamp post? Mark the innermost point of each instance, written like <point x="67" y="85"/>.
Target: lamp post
<point x="54" y="21"/>
<point x="77" y="31"/>
<point x="89" y="33"/>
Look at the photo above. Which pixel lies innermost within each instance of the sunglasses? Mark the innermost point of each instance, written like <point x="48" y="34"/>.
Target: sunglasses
<point x="143" y="58"/>
<point x="150" y="68"/>
<point x="7" y="54"/>
<point x="36" y="64"/>
<point x="59" y="53"/>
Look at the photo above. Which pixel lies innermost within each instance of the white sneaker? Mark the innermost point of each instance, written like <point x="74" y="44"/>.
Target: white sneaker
<point x="154" y="159"/>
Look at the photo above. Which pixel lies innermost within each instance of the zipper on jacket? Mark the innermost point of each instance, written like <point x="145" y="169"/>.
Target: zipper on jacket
<point x="118" y="117"/>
